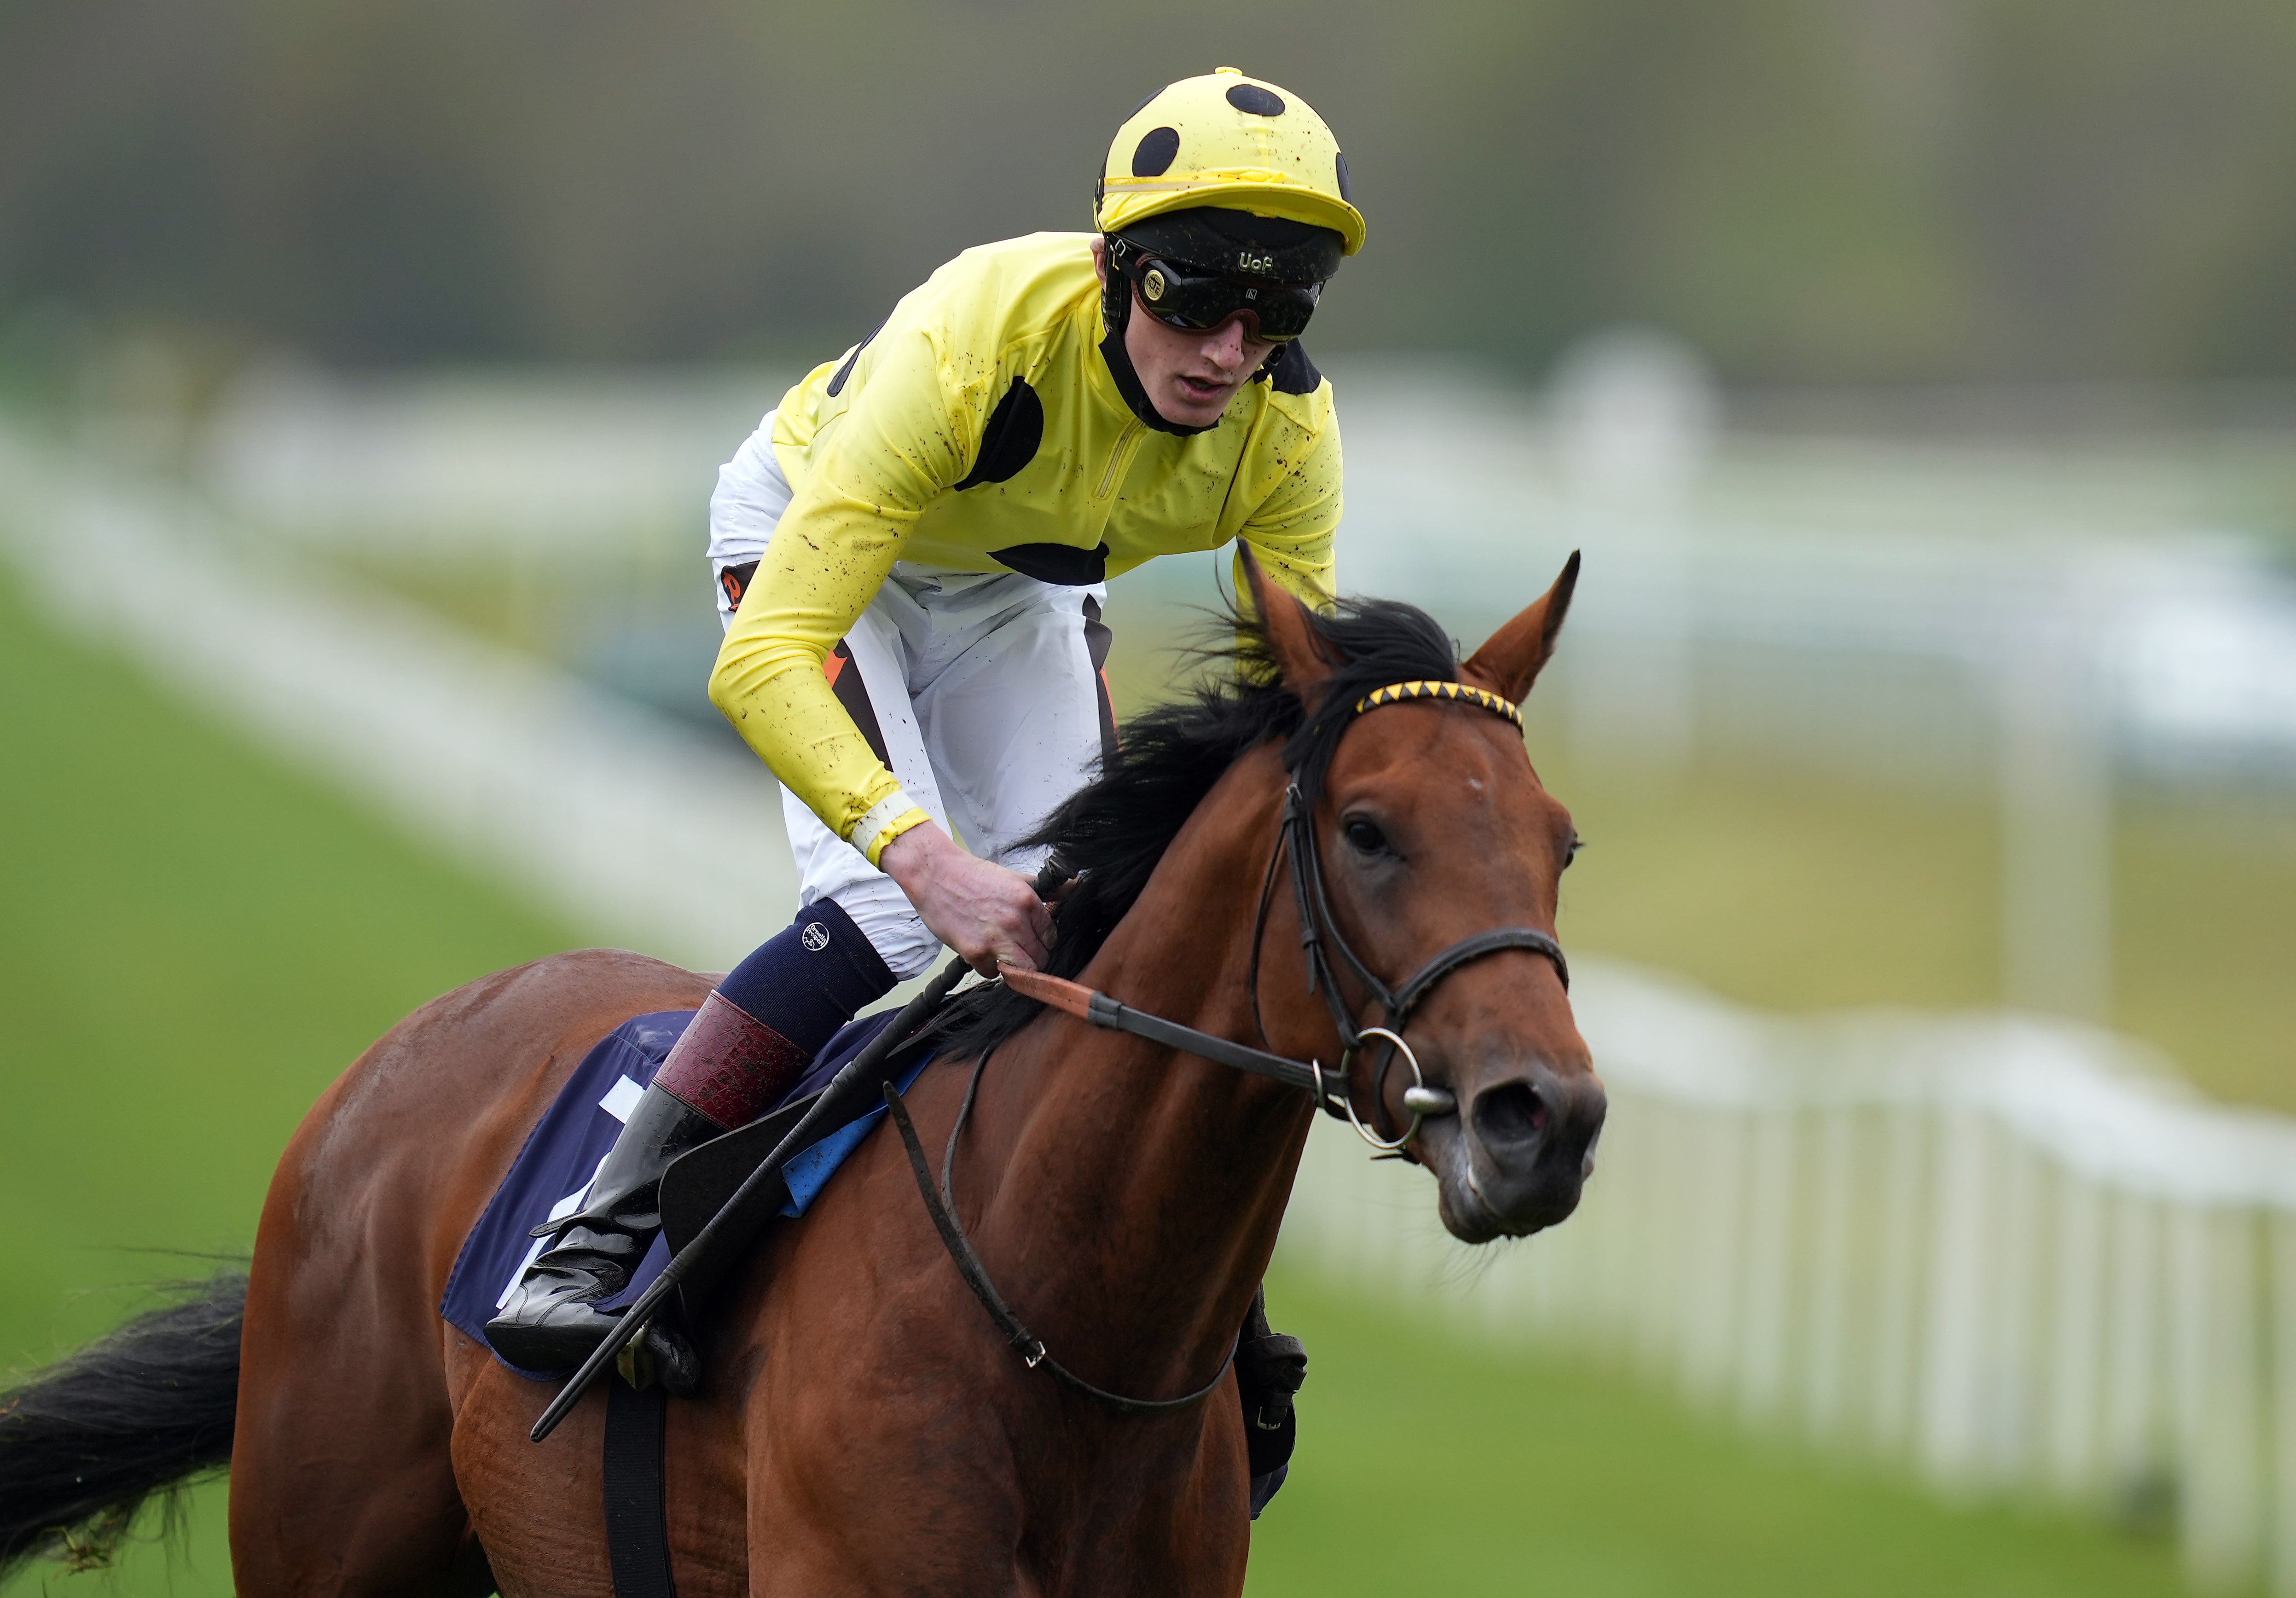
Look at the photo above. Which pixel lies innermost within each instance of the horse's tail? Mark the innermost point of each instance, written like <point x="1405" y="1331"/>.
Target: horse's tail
<point x="84" y="1443"/>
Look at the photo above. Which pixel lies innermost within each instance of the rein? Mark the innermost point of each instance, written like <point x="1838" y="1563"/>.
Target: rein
<point x="1295" y="838"/>
<point x="942" y="1205"/>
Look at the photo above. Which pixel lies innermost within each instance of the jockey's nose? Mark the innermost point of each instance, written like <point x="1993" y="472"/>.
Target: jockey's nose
<point x="1227" y="344"/>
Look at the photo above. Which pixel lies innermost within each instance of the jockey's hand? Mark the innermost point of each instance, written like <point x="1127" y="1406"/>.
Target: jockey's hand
<point x="984" y="911"/>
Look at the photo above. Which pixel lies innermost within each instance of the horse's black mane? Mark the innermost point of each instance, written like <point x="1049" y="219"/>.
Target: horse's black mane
<point x="1111" y="833"/>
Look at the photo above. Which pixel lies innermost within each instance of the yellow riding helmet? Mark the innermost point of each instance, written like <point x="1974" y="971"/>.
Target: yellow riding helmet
<point x="1231" y="142"/>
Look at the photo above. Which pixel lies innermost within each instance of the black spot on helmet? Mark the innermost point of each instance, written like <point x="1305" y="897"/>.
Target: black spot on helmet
<point x="1346" y="190"/>
<point x="1158" y="147"/>
<point x="1250" y="98"/>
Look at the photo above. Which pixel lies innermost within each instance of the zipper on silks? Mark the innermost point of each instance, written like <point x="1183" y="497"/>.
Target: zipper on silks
<point x="1116" y="456"/>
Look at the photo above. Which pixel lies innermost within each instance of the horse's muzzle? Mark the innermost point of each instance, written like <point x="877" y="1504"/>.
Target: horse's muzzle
<point x="1516" y="1158"/>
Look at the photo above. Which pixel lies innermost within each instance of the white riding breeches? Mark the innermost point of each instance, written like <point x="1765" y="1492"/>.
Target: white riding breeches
<point x="980" y="690"/>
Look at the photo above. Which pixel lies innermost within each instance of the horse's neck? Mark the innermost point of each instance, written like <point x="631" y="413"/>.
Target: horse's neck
<point x="1144" y="1187"/>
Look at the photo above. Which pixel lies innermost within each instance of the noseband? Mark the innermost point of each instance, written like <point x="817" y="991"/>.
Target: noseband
<point x="1319" y="931"/>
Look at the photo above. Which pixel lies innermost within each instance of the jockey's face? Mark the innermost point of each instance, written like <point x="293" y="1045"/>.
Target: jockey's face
<point x="1189" y="376"/>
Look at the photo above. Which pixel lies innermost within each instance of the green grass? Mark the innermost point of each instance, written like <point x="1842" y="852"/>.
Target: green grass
<point x="1434" y="1464"/>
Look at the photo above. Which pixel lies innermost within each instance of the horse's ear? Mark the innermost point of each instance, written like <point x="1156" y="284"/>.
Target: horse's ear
<point x="1509" y="661"/>
<point x="1304" y="661"/>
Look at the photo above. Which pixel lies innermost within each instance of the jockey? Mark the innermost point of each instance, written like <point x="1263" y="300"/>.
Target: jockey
<point x="911" y="554"/>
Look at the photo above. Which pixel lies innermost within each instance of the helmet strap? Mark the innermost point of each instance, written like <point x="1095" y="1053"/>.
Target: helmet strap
<point x="1115" y="316"/>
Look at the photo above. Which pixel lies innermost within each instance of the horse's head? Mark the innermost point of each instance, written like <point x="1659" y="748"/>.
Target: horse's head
<point x="1433" y="828"/>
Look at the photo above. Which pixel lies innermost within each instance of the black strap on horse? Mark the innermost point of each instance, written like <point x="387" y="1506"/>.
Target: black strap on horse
<point x="1319" y="929"/>
<point x="942" y="1206"/>
<point x="1295" y="838"/>
<point x="1270" y="1368"/>
<point x="637" y="1523"/>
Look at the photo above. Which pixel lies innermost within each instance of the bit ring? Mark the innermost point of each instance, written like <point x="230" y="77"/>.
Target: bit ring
<point x="1417" y="1080"/>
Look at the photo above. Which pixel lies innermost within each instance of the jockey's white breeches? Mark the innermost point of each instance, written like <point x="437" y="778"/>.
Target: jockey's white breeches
<point x="980" y="690"/>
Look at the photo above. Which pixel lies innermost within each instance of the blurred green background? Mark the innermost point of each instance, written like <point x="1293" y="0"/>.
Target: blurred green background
<point x="1808" y="190"/>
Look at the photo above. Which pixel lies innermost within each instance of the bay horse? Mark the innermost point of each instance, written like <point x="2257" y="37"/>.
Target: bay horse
<point x="862" y="1426"/>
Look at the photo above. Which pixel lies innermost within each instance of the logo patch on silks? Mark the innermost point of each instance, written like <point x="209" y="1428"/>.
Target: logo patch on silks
<point x="816" y="936"/>
<point x="735" y="581"/>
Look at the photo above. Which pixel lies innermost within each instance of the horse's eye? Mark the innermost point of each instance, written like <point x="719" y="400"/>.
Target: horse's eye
<point x="1364" y="835"/>
<point x="1577" y="843"/>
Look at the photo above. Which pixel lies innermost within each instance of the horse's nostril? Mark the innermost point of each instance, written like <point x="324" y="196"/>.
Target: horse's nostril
<point x="1513" y="1113"/>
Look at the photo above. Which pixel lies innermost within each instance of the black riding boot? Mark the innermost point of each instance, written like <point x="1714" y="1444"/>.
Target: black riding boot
<point x="550" y="1322"/>
<point x="1269" y="1370"/>
<point x="726" y="1069"/>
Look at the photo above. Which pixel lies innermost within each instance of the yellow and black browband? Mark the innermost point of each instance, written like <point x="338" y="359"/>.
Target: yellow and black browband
<point x="1395" y="694"/>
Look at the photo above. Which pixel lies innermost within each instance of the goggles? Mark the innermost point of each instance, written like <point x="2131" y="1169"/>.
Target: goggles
<point x="1195" y="300"/>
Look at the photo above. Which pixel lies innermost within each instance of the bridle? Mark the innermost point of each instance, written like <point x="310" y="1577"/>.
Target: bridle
<point x="1319" y="929"/>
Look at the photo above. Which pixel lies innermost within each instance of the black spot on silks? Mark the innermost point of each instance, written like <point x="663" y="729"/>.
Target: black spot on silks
<point x="1347" y="192"/>
<point x="1063" y="565"/>
<point x="1259" y="101"/>
<point x="1153" y="157"/>
<point x="1289" y="370"/>
<point x="837" y="381"/>
<point x="1015" y="428"/>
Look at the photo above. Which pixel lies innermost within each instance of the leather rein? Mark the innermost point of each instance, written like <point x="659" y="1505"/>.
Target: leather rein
<point x="1319" y="930"/>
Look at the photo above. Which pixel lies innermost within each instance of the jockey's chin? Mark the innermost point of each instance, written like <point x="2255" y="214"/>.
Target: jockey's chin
<point x="1190" y="377"/>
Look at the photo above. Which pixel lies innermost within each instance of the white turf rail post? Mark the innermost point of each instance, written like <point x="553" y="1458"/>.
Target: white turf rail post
<point x="2008" y="1252"/>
